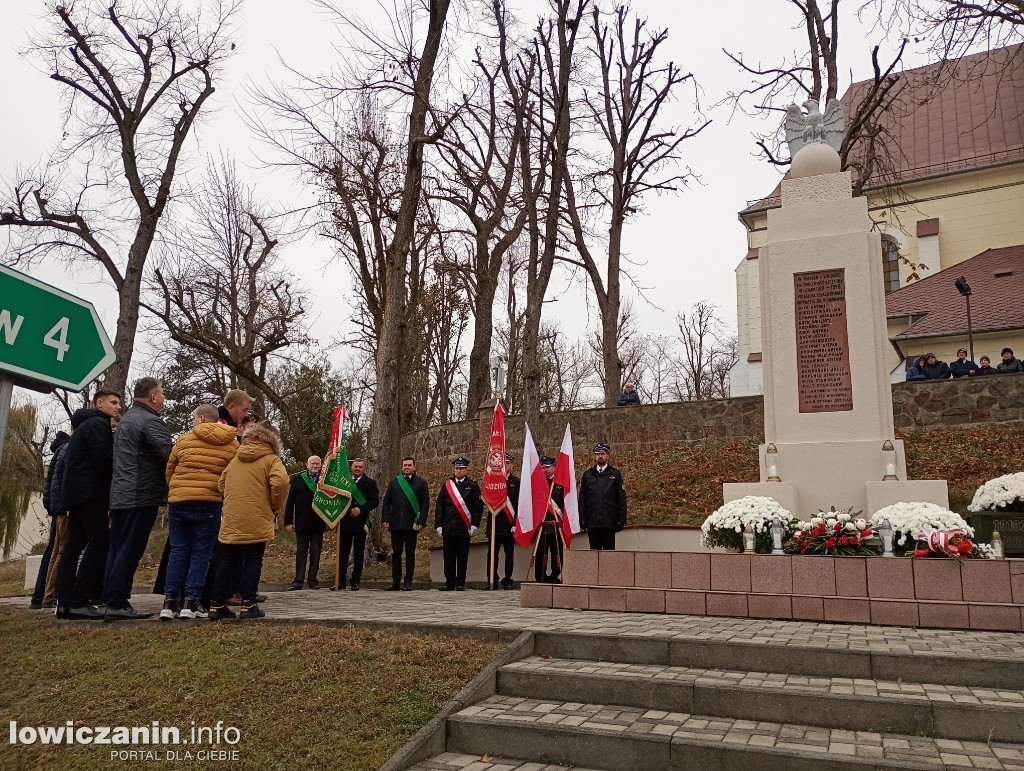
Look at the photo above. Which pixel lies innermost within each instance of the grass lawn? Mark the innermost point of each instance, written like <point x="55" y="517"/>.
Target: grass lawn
<point x="300" y="696"/>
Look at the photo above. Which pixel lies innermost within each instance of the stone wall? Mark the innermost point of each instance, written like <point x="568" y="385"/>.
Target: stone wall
<point x="929" y="404"/>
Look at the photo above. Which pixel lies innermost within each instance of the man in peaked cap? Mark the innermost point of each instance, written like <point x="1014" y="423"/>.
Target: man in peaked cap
<point x="548" y="567"/>
<point x="457" y="518"/>
<point x="504" y="527"/>
<point x="602" y="501"/>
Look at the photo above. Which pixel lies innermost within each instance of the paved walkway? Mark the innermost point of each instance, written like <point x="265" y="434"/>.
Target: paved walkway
<point x="501" y="610"/>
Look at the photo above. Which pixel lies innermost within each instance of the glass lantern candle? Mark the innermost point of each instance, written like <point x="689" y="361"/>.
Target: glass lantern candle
<point x="749" y="540"/>
<point x="889" y="461"/>
<point x="777" y="532"/>
<point x="771" y="461"/>
<point x="886" y="533"/>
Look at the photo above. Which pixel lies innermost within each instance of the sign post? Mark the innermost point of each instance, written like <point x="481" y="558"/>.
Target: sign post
<point x="47" y="336"/>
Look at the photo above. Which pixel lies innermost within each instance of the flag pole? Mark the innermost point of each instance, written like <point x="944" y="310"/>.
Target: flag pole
<point x="492" y="564"/>
<point x="337" y="528"/>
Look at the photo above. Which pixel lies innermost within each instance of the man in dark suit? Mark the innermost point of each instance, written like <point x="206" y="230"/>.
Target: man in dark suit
<point x="457" y="519"/>
<point x="548" y="565"/>
<point x="602" y="501"/>
<point x="354" y="526"/>
<point x="403" y="513"/>
<point x="299" y="518"/>
<point x="505" y="531"/>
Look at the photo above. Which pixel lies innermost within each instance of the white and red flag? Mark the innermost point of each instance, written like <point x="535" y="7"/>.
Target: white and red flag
<point x="494" y="485"/>
<point x="565" y="475"/>
<point x="534" y="492"/>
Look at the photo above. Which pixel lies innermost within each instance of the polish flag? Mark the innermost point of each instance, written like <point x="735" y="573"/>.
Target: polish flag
<point x="565" y="475"/>
<point x="533" y="493"/>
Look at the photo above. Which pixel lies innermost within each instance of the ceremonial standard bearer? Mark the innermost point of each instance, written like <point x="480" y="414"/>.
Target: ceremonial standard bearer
<point x="505" y="533"/>
<point x="548" y="566"/>
<point x="457" y="518"/>
<point x="356" y="524"/>
<point x="602" y="501"/>
<point x="404" y="513"/>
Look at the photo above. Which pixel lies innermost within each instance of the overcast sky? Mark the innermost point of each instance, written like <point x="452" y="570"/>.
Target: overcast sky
<point x="685" y="246"/>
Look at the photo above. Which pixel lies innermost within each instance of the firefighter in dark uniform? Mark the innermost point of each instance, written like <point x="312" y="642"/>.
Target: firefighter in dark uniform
<point x="602" y="501"/>
<point x="457" y="518"/>
<point x="505" y="526"/>
<point x="548" y="565"/>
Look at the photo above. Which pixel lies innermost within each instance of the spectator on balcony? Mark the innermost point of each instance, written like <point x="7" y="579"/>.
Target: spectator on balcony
<point x="962" y="367"/>
<point x="916" y="371"/>
<point x="935" y="369"/>
<point x="986" y="367"/>
<point x="1009" y="364"/>
<point x="629" y="396"/>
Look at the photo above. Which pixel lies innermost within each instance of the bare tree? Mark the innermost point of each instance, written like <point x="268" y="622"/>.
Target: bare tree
<point x="867" y="146"/>
<point x="641" y="158"/>
<point x="959" y="27"/>
<point x="136" y="75"/>
<point x="705" y="355"/>
<point x="222" y="295"/>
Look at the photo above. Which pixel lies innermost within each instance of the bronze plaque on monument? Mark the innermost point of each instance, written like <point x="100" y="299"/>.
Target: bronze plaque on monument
<point x="822" y="341"/>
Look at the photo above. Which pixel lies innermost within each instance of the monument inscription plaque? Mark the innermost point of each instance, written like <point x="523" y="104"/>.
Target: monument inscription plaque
<point x="822" y="341"/>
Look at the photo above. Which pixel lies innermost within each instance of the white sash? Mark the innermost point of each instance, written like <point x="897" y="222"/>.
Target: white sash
<point x="460" y="504"/>
<point x="510" y="512"/>
<point x="553" y="508"/>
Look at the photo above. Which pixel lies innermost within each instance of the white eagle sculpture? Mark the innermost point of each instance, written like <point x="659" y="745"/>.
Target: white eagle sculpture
<point x="813" y="127"/>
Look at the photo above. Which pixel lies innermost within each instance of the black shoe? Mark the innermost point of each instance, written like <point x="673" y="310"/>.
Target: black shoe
<point x="555" y="580"/>
<point x="447" y="588"/>
<point x="507" y="583"/>
<point x="261" y="598"/>
<point x="216" y="613"/>
<point x="460" y="588"/>
<point x="314" y="585"/>
<point x="392" y="588"/>
<point x="293" y="588"/>
<point x="407" y="586"/>
<point x="171" y="610"/>
<point x="85" y="612"/>
<point x="124" y="614"/>
<point x="251" y="611"/>
<point x="62" y="612"/>
<point x="49" y="604"/>
<point x="354" y="587"/>
<point x="35" y="605"/>
<point x="488" y="587"/>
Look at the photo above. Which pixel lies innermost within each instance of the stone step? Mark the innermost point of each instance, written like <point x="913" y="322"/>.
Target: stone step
<point x="941" y="711"/>
<point x="992" y="659"/>
<point x="604" y="736"/>
<point x="455" y="761"/>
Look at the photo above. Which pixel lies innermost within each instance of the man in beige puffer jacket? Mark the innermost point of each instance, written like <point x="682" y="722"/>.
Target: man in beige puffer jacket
<point x="194" y="509"/>
<point x="255" y="486"/>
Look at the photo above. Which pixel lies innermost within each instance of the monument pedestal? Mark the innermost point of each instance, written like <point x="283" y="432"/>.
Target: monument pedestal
<point x="827" y="397"/>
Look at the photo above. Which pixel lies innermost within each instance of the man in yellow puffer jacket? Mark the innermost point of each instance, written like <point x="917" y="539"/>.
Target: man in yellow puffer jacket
<point x="194" y="509"/>
<point x="255" y="486"/>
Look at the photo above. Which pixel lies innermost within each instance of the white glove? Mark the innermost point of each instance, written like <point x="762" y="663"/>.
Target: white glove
<point x="473" y="531"/>
<point x="439" y="531"/>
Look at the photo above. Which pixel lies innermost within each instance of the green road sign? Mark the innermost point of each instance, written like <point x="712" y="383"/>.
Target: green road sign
<point x="49" y="335"/>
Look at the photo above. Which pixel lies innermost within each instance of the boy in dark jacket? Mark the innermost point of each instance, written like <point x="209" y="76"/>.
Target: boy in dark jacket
<point x="403" y="513"/>
<point x="986" y="367"/>
<point x="602" y="501"/>
<point x="457" y="519"/>
<point x="52" y="551"/>
<point x="85" y="495"/>
<point x="916" y="371"/>
<point x="299" y="518"/>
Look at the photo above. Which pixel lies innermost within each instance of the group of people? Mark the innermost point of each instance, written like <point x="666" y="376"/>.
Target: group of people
<point x="928" y="367"/>
<point x="225" y="484"/>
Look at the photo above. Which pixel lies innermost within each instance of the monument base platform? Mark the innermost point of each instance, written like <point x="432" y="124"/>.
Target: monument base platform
<point x="899" y="591"/>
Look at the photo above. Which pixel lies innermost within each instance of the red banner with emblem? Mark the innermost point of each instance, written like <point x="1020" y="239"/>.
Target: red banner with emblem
<point x="493" y="487"/>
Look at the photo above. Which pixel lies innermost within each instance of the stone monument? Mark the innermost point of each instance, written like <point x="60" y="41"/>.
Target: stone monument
<point x="829" y="436"/>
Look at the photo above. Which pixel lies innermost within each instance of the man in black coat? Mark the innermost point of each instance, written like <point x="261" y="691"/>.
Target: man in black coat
<point x="138" y="489"/>
<point x="935" y="369"/>
<point x="602" y="501"/>
<point x="60" y="441"/>
<point x="299" y="518"/>
<point x="355" y="525"/>
<point x="505" y="528"/>
<point x="85" y="495"/>
<point x="547" y="567"/>
<point x="457" y="519"/>
<point x="403" y="513"/>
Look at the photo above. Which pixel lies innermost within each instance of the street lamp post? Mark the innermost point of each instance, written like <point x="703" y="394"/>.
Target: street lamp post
<point x="965" y="289"/>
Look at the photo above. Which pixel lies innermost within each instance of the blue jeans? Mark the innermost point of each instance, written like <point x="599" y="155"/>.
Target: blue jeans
<point x="192" y="529"/>
<point x="44" y="564"/>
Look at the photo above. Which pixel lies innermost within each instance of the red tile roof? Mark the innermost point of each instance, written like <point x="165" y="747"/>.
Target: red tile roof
<point x="996" y="277"/>
<point x="974" y="118"/>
